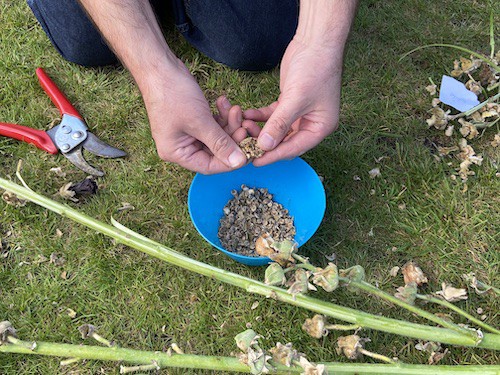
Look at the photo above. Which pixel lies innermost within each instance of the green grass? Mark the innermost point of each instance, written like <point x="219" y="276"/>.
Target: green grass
<point x="130" y="296"/>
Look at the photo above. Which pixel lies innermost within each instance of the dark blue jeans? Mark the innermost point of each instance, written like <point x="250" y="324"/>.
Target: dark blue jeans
<point x="242" y="34"/>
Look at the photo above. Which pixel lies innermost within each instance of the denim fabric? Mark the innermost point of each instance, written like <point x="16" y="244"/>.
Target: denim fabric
<point x="71" y="32"/>
<point x="243" y="34"/>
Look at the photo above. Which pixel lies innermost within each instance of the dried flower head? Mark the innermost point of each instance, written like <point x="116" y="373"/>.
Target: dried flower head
<point x="407" y="293"/>
<point x="355" y="273"/>
<point x="283" y="251"/>
<point x="278" y="251"/>
<point x="350" y="346"/>
<point x="12" y="199"/>
<point x="477" y="285"/>
<point x="87" y="330"/>
<point x="465" y="66"/>
<point x="431" y="89"/>
<point x="6" y="330"/>
<point x="246" y="339"/>
<point x="315" y="327"/>
<point x="468" y="129"/>
<point x="263" y="245"/>
<point x="439" y="118"/>
<point x="452" y="294"/>
<point x="327" y="278"/>
<point x="301" y="283"/>
<point x="413" y="273"/>
<point x="257" y="361"/>
<point x="284" y="354"/>
<point x="311" y="368"/>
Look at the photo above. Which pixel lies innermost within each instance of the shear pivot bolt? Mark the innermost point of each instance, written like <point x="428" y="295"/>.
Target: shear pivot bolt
<point x="65" y="147"/>
<point x="77" y="135"/>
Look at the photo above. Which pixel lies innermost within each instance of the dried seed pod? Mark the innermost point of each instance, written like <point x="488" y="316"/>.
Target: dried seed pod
<point x="413" y="273"/>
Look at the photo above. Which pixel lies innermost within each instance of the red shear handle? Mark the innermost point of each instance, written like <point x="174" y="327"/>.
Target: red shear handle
<point x="57" y="97"/>
<point x="39" y="138"/>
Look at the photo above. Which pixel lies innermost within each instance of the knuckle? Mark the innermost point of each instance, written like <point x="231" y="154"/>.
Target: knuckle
<point x="280" y="125"/>
<point x="220" y="145"/>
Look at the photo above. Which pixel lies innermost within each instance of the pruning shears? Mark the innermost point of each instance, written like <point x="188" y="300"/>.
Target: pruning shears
<point x="69" y="137"/>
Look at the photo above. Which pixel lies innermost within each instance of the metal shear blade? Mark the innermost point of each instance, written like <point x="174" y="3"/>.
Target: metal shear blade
<point x="95" y="146"/>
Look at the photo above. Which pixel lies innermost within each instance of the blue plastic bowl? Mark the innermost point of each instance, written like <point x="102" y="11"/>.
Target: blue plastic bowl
<point x="293" y="183"/>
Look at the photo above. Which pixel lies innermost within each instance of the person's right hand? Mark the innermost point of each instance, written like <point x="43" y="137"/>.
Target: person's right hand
<point x="184" y="129"/>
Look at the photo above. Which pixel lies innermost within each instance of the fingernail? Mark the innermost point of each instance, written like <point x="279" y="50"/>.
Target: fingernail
<point x="236" y="159"/>
<point x="266" y="142"/>
<point x="225" y="103"/>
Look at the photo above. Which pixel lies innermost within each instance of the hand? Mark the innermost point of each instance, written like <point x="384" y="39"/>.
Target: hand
<point x="186" y="132"/>
<point x="308" y="106"/>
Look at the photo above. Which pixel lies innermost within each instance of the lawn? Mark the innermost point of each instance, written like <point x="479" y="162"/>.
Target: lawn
<point x="412" y="211"/>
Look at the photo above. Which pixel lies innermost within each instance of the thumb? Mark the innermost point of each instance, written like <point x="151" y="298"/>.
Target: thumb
<point x="221" y="145"/>
<point x="278" y="126"/>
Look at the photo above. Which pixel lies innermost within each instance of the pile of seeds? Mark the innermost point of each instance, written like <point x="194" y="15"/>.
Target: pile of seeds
<point x="250" y="148"/>
<point x="248" y="215"/>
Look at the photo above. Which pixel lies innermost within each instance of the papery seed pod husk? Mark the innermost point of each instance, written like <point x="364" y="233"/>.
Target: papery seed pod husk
<point x="6" y="330"/>
<point x="86" y="330"/>
<point x="413" y="273"/>
<point x="311" y="368"/>
<point x="315" y="327"/>
<point x="284" y="250"/>
<point x="327" y="278"/>
<point x="355" y="273"/>
<point x="12" y="199"/>
<point x="284" y="354"/>
<point x="407" y="293"/>
<point x="274" y="275"/>
<point x="300" y="284"/>
<point x="263" y="245"/>
<point x="246" y="339"/>
<point x="257" y="361"/>
<point x="350" y="345"/>
<point x="451" y="294"/>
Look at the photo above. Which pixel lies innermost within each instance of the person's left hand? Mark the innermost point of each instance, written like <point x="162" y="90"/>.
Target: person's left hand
<point x="307" y="109"/>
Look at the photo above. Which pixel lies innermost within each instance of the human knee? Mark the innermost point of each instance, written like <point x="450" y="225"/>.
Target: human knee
<point x="71" y="32"/>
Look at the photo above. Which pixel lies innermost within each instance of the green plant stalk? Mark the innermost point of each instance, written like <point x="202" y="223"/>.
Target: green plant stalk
<point x="368" y="288"/>
<point x="366" y="320"/>
<point x="458" y="310"/>
<point x="230" y="364"/>
<point x="363" y="285"/>
<point x="477" y="107"/>
<point x="490" y="62"/>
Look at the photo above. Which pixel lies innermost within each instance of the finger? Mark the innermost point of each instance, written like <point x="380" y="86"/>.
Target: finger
<point x="234" y="119"/>
<point x="204" y="162"/>
<point x="278" y="125"/>
<point x="294" y="145"/>
<point x="239" y="135"/>
<point x="260" y="114"/>
<point x="252" y="128"/>
<point x="222" y="146"/>
<point x="223" y="107"/>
